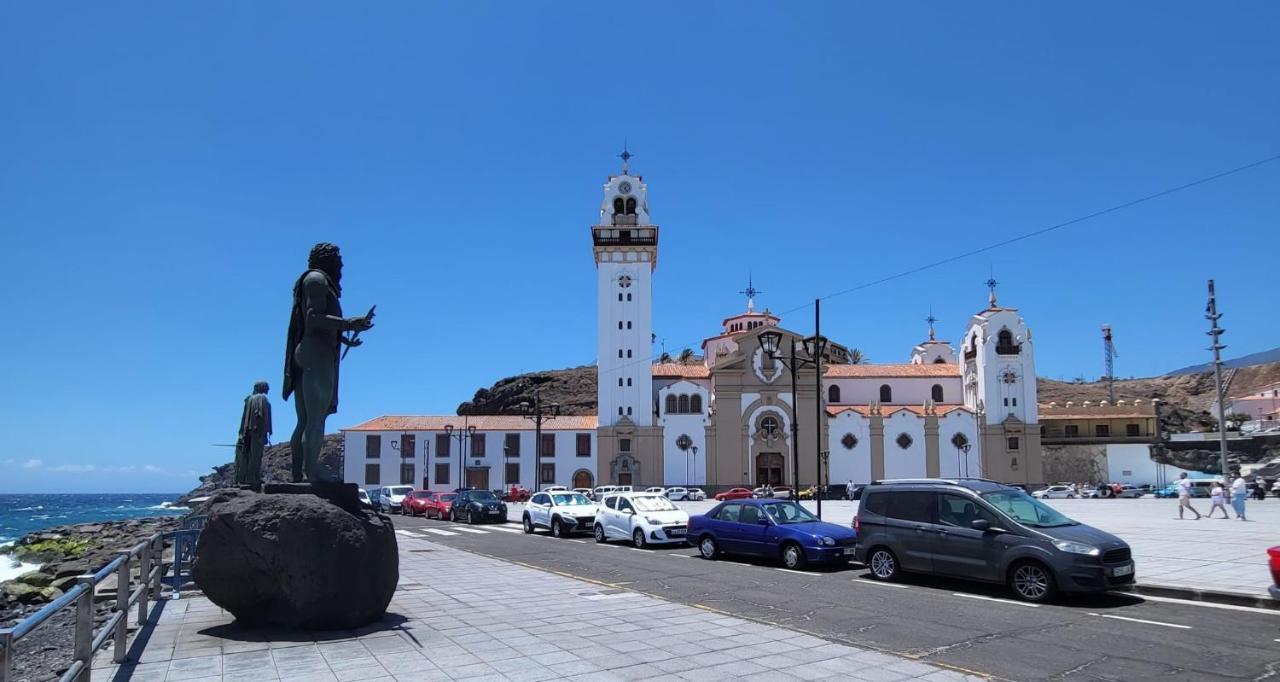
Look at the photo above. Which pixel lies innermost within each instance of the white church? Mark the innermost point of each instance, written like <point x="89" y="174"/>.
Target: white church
<point x="732" y="419"/>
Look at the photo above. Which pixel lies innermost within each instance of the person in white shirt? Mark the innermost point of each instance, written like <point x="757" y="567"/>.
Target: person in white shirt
<point x="1239" y="491"/>
<point x="1184" y="497"/>
<point x="1216" y="496"/>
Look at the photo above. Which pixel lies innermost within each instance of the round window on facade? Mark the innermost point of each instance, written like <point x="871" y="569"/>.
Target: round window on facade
<point x="849" y="441"/>
<point x="904" y="441"/>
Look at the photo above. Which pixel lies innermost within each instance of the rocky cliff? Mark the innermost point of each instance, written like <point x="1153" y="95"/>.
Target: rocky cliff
<point x="276" y="467"/>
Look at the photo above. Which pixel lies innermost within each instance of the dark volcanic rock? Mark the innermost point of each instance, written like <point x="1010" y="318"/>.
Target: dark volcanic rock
<point x="277" y="464"/>
<point x="296" y="560"/>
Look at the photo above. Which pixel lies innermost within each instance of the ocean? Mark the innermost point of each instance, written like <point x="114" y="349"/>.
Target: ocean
<point x="22" y="514"/>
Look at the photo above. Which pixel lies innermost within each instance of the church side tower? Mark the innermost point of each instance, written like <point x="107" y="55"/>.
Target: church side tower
<point x="625" y="246"/>
<point x="999" y="379"/>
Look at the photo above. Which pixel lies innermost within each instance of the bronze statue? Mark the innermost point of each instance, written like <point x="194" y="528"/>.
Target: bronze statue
<point x="255" y="433"/>
<point x="317" y="331"/>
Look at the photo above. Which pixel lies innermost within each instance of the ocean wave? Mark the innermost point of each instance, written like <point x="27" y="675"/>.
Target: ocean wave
<point x="10" y="569"/>
<point x="40" y="516"/>
<point x="168" y="506"/>
<point x="35" y="508"/>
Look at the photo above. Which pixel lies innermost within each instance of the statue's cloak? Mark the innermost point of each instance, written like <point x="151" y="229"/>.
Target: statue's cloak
<point x="298" y="326"/>
<point x="256" y="416"/>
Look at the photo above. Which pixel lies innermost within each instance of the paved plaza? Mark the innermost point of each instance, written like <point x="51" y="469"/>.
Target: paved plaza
<point x="458" y="615"/>
<point x="1210" y="554"/>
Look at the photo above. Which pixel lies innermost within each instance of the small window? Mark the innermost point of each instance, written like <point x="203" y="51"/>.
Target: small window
<point x="833" y="394"/>
<point x="513" y="473"/>
<point x="1013" y="442"/>
<point x="628" y="297"/>
<point x="695" y="404"/>
<point x="584" y="444"/>
<point x="672" y="404"/>
<point x="619" y="352"/>
<point x="442" y="444"/>
<point x="937" y="393"/>
<point x="684" y="404"/>
<point x="372" y="473"/>
<point x="628" y="410"/>
<point x="628" y="324"/>
<point x="628" y="381"/>
<point x="628" y="352"/>
<point x="619" y="324"/>
<point x="886" y="393"/>
<point x="373" y="447"/>
<point x="769" y="425"/>
<point x="442" y="474"/>
<point x="548" y="472"/>
<point x="619" y="382"/>
<point x="548" y="445"/>
<point x="1015" y="402"/>
<point x="624" y="445"/>
<point x="477" y="445"/>
<point x="406" y="473"/>
<point x="1006" y="402"/>
<point x="1101" y="430"/>
<point x="619" y="410"/>
<point x="1071" y="430"/>
<point x="1132" y="430"/>
<point x="619" y="297"/>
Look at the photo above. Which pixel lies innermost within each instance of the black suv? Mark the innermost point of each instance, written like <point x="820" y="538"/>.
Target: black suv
<point x="984" y="530"/>
<point x="477" y="506"/>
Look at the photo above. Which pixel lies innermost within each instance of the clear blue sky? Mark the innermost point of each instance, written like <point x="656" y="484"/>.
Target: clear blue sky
<point x="164" y="168"/>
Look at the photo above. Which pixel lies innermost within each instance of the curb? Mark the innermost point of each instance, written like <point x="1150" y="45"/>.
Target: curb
<point x="1211" y="596"/>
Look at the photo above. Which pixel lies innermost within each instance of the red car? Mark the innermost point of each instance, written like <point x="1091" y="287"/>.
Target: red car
<point x="415" y="503"/>
<point x="517" y="494"/>
<point x="438" y="506"/>
<point x="1274" y="554"/>
<point x="734" y="494"/>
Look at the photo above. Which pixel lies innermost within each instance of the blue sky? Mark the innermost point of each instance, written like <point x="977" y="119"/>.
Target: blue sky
<point x="164" y="168"/>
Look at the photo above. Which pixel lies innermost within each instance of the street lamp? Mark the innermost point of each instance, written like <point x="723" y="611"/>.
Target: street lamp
<point x="536" y="414"/>
<point x="463" y="436"/>
<point x="684" y="442"/>
<point x="770" y="342"/>
<point x="686" y="470"/>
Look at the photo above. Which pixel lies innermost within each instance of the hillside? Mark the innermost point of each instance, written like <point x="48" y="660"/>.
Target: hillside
<point x="1262" y="358"/>
<point x="573" y="388"/>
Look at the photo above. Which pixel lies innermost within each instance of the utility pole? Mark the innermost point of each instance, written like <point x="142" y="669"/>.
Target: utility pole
<point x="820" y="412"/>
<point x="1109" y="349"/>
<point x="535" y="414"/>
<point x="1215" y="332"/>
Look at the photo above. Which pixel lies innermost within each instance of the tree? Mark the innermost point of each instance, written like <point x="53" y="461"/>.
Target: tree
<point x="686" y="356"/>
<point x="665" y="357"/>
<point x="856" y="357"/>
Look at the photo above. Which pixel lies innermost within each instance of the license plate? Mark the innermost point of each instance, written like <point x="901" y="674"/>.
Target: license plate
<point x="1122" y="570"/>
<point x="676" y="532"/>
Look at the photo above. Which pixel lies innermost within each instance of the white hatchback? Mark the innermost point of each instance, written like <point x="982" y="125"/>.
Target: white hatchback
<point x="562" y="512"/>
<point x="677" y="493"/>
<point x="1055" y="492"/>
<point x="644" y="518"/>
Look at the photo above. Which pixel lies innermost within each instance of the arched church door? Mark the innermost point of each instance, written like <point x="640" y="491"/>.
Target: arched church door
<point x="582" y="479"/>
<point x="769" y="468"/>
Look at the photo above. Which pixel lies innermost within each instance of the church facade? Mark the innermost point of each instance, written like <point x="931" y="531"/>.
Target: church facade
<point x="732" y="418"/>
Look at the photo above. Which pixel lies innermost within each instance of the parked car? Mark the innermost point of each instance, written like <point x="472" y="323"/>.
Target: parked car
<point x="390" y="497"/>
<point x="771" y="528"/>
<point x="586" y="492"/>
<point x="644" y="518"/>
<point x="439" y="505"/>
<point x="561" y="512"/>
<point x="697" y="495"/>
<point x="363" y="496"/>
<point x="734" y="494"/>
<point x="477" y="506"/>
<point x="515" y="493"/>
<point x="1132" y="492"/>
<point x="415" y="503"/>
<point x="656" y="490"/>
<point x="555" y="489"/>
<point x="1273" y="555"/>
<point x="987" y="531"/>
<point x="1056" y="492"/>
<point x="602" y="490"/>
<point x="781" y="492"/>
<point x="808" y="493"/>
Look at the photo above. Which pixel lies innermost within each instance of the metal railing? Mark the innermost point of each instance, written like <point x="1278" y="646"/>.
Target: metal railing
<point x="148" y="557"/>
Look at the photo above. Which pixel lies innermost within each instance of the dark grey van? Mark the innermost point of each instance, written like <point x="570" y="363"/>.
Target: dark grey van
<point x="983" y="530"/>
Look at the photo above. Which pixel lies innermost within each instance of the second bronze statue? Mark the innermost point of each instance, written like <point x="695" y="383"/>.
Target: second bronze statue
<point x="313" y="351"/>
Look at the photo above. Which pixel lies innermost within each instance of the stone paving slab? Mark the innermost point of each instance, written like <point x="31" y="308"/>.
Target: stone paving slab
<point x="457" y="615"/>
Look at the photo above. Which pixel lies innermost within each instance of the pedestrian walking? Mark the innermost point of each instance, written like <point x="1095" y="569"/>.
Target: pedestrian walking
<point x="1239" y="491"/>
<point x="1218" y="497"/>
<point x="1260" y="488"/>
<point x="1184" y="497"/>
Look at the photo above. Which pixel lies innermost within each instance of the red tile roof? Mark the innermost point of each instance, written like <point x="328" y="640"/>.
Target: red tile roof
<point x="886" y="410"/>
<point x="482" y="423"/>
<point x="676" y="370"/>
<point x="903" y="371"/>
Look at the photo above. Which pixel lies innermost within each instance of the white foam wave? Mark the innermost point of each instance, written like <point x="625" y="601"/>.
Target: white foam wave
<point x="10" y="569"/>
<point x="168" y="506"/>
<point x="35" y="508"/>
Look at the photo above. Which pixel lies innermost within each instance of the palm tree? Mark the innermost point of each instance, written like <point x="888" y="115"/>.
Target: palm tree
<point x="665" y="357"/>
<point x="856" y="357"/>
<point x="686" y="356"/>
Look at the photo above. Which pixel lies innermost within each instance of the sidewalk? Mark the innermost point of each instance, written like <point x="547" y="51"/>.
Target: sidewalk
<point x="457" y="615"/>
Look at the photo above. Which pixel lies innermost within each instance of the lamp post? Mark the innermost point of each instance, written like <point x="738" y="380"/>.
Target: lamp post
<point x="535" y="414"/>
<point x="686" y="470"/>
<point x="770" y="340"/>
<point x="684" y="442"/>
<point x="463" y="436"/>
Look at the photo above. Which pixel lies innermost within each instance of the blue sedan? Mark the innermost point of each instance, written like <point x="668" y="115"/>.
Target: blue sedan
<point x="770" y="528"/>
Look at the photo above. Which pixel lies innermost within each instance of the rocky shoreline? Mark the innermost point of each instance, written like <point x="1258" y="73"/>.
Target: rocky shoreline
<point x="63" y="553"/>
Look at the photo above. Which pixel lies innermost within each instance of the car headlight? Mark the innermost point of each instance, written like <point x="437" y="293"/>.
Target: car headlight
<point x="1076" y="547"/>
<point x="828" y="542"/>
<point x="653" y="521"/>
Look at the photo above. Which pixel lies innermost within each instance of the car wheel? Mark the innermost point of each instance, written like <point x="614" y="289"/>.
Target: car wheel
<point x="453" y="516"/>
<point x="599" y="533"/>
<point x="793" y="557"/>
<point x="528" y="524"/>
<point x="557" y="528"/>
<point x="1031" y="581"/>
<point x="883" y="564"/>
<point x="637" y="538"/>
<point x="708" y="548"/>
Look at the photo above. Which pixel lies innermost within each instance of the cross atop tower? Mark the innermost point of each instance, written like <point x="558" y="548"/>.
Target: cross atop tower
<point x="750" y="292"/>
<point x="991" y="285"/>
<point x="625" y="156"/>
<point x="931" y="319"/>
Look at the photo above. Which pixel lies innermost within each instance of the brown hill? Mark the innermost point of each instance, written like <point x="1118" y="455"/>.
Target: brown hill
<point x="574" y="389"/>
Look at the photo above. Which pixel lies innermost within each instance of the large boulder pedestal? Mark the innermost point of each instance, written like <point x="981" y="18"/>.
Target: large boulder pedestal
<point x="290" y="557"/>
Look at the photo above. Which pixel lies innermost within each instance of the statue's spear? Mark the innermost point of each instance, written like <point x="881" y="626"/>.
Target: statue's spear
<point x="356" y="334"/>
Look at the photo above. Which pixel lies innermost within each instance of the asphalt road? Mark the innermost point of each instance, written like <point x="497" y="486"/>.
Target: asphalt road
<point x="966" y="626"/>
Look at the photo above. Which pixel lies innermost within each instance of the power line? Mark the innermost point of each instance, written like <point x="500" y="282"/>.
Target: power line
<point x="1036" y="233"/>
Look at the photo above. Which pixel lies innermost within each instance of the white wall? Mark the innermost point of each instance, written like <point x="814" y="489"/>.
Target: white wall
<point x="906" y="391"/>
<point x="900" y="463"/>
<point x="951" y="462"/>
<point x="679" y="465"/>
<point x="845" y="464"/>
<point x="1131" y="463"/>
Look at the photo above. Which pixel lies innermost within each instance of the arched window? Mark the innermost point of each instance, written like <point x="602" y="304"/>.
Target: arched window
<point x="695" y="404"/>
<point x="886" y="393"/>
<point x="684" y="404"/>
<point x="628" y="381"/>
<point x="939" y="361"/>
<point x="618" y="205"/>
<point x="631" y="206"/>
<point x="937" y="393"/>
<point x="671" y="404"/>
<point x="619" y="381"/>
<point x="619" y="324"/>
<point x="1005" y="344"/>
<point x="833" y="394"/>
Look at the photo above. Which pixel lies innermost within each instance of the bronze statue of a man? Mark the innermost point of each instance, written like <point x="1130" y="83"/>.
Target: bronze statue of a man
<point x="316" y="335"/>
<point x="255" y="433"/>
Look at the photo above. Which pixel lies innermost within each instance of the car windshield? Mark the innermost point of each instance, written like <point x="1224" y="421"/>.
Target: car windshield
<point x="570" y="498"/>
<point x="784" y="513"/>
<point x="652" y="503"/>
<point x="484" y="496"/>
<point x="401" y="489"/>
<point x="1027" y="510"/>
